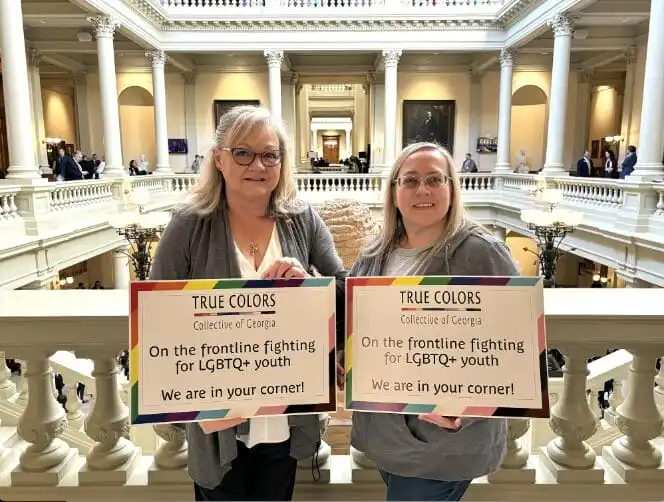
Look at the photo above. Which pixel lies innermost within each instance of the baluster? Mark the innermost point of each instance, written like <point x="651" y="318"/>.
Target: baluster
<point x="633" y="456"/>
<point x="615" y="399"/>
<point x="568" y="457"/>
<point x="74" y="415"/>
<point x="517" y="466"/>
<point x="48" y="458"/>
<point x="170" y="459"/>
<point x="113" y="458"/>
<point x="7" y="387"/>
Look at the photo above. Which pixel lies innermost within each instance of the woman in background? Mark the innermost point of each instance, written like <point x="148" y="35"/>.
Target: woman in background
<point x="426" y="232"/>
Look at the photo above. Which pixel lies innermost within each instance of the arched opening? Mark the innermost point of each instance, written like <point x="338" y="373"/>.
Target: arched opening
<point x="528" y="131"/>
<point x="137" y="125"/>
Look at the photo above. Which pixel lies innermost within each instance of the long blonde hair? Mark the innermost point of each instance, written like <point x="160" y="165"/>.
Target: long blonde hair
<point x="393" y="229"/>
<point x="234" y="125"/>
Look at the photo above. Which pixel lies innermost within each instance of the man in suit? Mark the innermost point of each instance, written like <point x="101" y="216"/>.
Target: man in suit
<point x="584" y="166"/>
<point x="70" y="169"/>
<point x="628" y="164"/>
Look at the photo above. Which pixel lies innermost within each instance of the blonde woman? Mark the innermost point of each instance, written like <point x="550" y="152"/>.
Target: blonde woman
<point x="426" y="232"/>
<point x="243" y="221"/>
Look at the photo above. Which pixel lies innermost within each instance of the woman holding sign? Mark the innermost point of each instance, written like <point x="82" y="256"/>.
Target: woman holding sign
<point x="242" y="221"/>
<point x="426" y="232"/>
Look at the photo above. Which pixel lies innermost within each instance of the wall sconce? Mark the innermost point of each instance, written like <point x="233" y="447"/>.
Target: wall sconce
<point x="68" y="280"/>
<point x="613" y="139"/>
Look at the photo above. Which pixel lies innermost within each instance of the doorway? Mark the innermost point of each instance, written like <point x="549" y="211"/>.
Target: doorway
<point x="331" y="149"/>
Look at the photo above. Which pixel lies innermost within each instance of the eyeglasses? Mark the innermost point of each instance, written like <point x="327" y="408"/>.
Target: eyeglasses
<point x="411" y="182"/>
<point x="245" y="157"/>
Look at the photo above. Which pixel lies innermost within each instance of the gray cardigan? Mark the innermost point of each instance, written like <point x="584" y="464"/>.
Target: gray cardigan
<point x="407" y="446"/>
<point x="195" y="247"/>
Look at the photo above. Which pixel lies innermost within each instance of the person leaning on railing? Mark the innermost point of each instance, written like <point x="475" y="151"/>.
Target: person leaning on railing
<point x="243" y="221"/>
<point x="426" y="232"/>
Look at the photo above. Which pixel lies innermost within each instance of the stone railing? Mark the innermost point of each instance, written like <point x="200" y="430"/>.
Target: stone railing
<point x="619" y="211"/>
<point x="221" y="9"/>
<point x="575" y="454"/>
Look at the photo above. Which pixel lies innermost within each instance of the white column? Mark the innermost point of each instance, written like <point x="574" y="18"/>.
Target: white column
<point x="289" y="115"/>
<point x="505" y="111"/>
<point x="82" y="114"/>
<point x="628" y="99"/>
<point x="314" y="139"/>
<point x="16" y="89"/>
<point x="391" y="59"/>
<point x="562" y="29"/>
<point x="190" y="116"/>
<point x="121" y="276"/>
<point x="349" y="146"/>
<point x="651" y="139"/>
<point x="274" y="60"/>
<point x="35" y="60"/>
<point x="158" y="60"/>
<point x="108" y="90"/>
<point x="582" y="113"/>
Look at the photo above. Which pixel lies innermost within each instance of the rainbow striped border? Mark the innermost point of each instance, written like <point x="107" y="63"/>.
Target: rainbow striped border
<point x="137" y="287"/>
<point x="476" y="411"/>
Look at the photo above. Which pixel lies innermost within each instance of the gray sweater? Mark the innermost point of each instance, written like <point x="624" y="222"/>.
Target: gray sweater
<point x="403" y="444"/>
<point x="194" y="247"/>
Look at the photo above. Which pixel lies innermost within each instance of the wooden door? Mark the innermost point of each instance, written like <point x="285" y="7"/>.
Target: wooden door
<point x="331" y="149"/>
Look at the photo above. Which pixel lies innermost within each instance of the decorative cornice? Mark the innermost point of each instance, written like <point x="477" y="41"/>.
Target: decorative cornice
<point x="156" y="58"/>
<point x="104" y="26"/>
<point x="506" y="57"/>
<point x="561" y="24"/>
<point x="274" y="58"/>
<point x="284" y="25"/>
<point x="391" y="57"/>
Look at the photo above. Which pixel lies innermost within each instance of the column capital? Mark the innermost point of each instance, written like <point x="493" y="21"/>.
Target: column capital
<point x="104" y="26"/>
<point x="561" y="24"/>
<point x="189" y="78"/>
<point x="290" y="78"/>
<point x="506" y="57"/>
<point x="298" y="87"/>
<point x="81" y="78"/>
<point x="631" y="54"/>
<point x="391" y="57"/>
<point x="34" y="58"/>
<point x="585" y="76"/>
<point x="475" y="76"/>
<point x="274" y="58"/>
<point x="366" y="87"/>
<point x="156" y="58"/>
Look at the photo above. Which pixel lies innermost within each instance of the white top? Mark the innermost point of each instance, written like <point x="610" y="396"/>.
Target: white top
<point x="263" y="429"/>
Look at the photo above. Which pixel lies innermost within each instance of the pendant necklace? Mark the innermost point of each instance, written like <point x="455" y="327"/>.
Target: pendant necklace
<point x="253" y="248"/>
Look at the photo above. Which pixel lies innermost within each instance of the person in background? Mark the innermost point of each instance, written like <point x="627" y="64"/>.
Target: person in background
<point x="610" y="165"/>
<point x="196" y="164"/>
<point x="143" y="165"/>
<point x="243" y="221"/>
<point x="426" y="232"/>
<point x="469" y="165"/>
<point x="629" y="162"/>
<point x="584" y="166"/>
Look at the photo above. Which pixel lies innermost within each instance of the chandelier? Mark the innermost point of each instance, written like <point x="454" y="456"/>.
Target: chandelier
<point x="141" y="229"/>
<point x="550" y="224"/>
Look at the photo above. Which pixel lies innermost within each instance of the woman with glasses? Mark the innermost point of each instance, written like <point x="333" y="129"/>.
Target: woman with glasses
<point x="243" y="221"/>
<point x="426" y="232"/>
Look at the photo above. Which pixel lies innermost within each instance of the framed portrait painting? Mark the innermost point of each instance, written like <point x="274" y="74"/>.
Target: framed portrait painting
<point x="221" y="106"/>
<point x="429" y="120"/>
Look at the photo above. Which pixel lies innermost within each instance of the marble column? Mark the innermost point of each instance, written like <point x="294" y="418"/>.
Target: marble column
<point x="16" y="89"/>
<point x="562" y="30"/>
<point x="190" y="116"/>
<point x="121" y="263"/>
<point x="34" y="60"/>
<point x="314" y="139"/>
<point x="82" y="113"/>
<point x="628" y="99"/>
<point x="651" y="140"/>
<point x="158" y="60"/>
<point x="288" y="115"/>
<point x="503" y="163"/>
<point x="475" y="119"/>
<point x="108" y="92"/>
<point x="391" y="60"/>
<point x="274" y="60"/>
<point x="349" y="146"/>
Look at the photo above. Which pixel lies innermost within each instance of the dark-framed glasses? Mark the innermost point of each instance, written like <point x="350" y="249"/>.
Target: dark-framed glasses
<point x="411" y="182"/>
<point x="246" y="157"/>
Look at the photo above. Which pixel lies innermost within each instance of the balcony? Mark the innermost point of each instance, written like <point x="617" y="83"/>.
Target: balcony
<point x="195" y="10"/>
<point x="53" y="226"/>
<point x="581" y="453"/>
